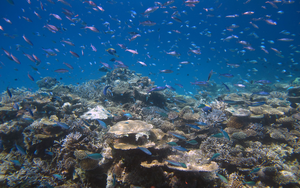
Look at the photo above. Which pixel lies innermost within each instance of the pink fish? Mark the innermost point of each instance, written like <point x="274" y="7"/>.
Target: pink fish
<point x="74" y="54"/>
<point x="92" y="28"/>
<point x="36" y="58"/>
<point x="68" y="65"/>
<point x="142" y="63"/>
<point x="55" y="16"/>
<point x="27" y="40"/>
<point x="29" y="57"/>
<point x="65" y="2"/>
<point x="131" y="51"/>
<point x="150" y="10"/>
<point x="30" y="77"/>
<point x="68" y="42"/>
<point x="15" y="59"/>
<point x="147" y="23"/>
<point x="93" y="48"/>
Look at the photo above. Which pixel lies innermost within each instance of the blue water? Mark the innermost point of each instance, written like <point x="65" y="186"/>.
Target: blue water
<point x="154" y="40"/>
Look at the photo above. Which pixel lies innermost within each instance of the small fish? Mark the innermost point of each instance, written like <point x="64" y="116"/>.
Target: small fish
<point x="112" y="52"/>
<point x="225" y="134"/>
<point x="166" y="71"/>
<point x="105" y="90"/>
<point x="94" y="156"/>
<point x="170" y="87"/>
<point x="10" y="2"/>
<point x="132" y="51"/>
<point x="193" y="126"/>
<point x="172" y="143"/>
<point x="201" y="123"/>
<point x="20" y="150"/>
<point x="86" y="123"/>
<point x="226" y="86"/>
<point x="210" y="74"/>
<point x="255" y="170"/>
<point x="192" y="142"/>
<point x="68" y="65"/>
<point x="263" y="93"/>
<point x="30" y="77"/>
<point x="147" y="23"/>
<point x="30" y="112"/>
<point x="159" y="88"/>
<point x="162" y="114"/>
<point x="145" y="150"/>
<point x="177" y="163"/>
<point x="222" y="178"/>
<point x="179" y="148"/>
<point x="27" y="40"/>
<point x="128" y="115"/>
<point x="227" y="75"/>
<point x="8" y="93"/>
<point x="103" y="125"/>
<point x="201" y="106"/>
<point x="16" y="162"/>
<point x="57" y="176"/>
<point x="61" y="70"/>
<point x="179" y="100"/>
<point x="218" y="135"/>
<point x="177" y="135"/>
<point x="250" y="183"/>
<point x="214" y="156"/>
<point x="74" y="54"/>
<point x="207" y="109"/>
<point x="62" y="125"/>
<point x="257" y="103"/>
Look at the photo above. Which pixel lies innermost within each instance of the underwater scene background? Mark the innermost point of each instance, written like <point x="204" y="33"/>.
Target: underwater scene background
<point x="149" y="94"/>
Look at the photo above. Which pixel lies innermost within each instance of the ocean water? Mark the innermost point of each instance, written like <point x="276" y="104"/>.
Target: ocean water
<point x="204" y="25"/>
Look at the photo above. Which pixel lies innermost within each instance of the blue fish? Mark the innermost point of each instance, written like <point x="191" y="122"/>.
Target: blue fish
<point x="105" y="90"/>
<point x="218" y="135"/>
<point x="193" y="126"/>
<point x="176" y="163"/>
<point x="30" y="112"/>
<point x="16" y="162"/>
<point x="102" y="124"/>
<point x="192" y="142"/>
<point x="225" y="134"/>
<point x="57" y="176"/>
<point x="226" y="86"/>
<point x="172" y="143"/>
<point x="201" y="123"/>
<point x="255" y="170"/>
<point x="214" y="156"/>
<point x="179" y="100"/>
<point x="227" y="75"/>
<point x="62" y="125"/>
<point x="94" y="156"/>
<point x="20" y="150"/>
<point x="179" y="148"/>
<point x="145" y="150"/>
<point x="250" y="183"/>
<point x="159" y="88"/>
<point x="207" y="109"/>
<point x="178" y="136"/>
<point x="1" y="144"/>
<point x="263" y="93"/>
<point x="8" y="92"/>
<point x="128" y="115"/>
<point x="86" y="123"/>
<point x="257" y="103"/>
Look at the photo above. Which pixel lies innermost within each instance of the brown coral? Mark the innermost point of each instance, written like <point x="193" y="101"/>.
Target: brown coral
<point x="236" y="122"/>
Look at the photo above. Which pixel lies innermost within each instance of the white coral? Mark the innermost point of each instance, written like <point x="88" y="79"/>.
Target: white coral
<point x="98" y="112"/>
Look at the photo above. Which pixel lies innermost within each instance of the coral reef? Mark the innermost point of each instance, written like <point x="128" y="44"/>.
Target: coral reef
<point x="118" y="131"/>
